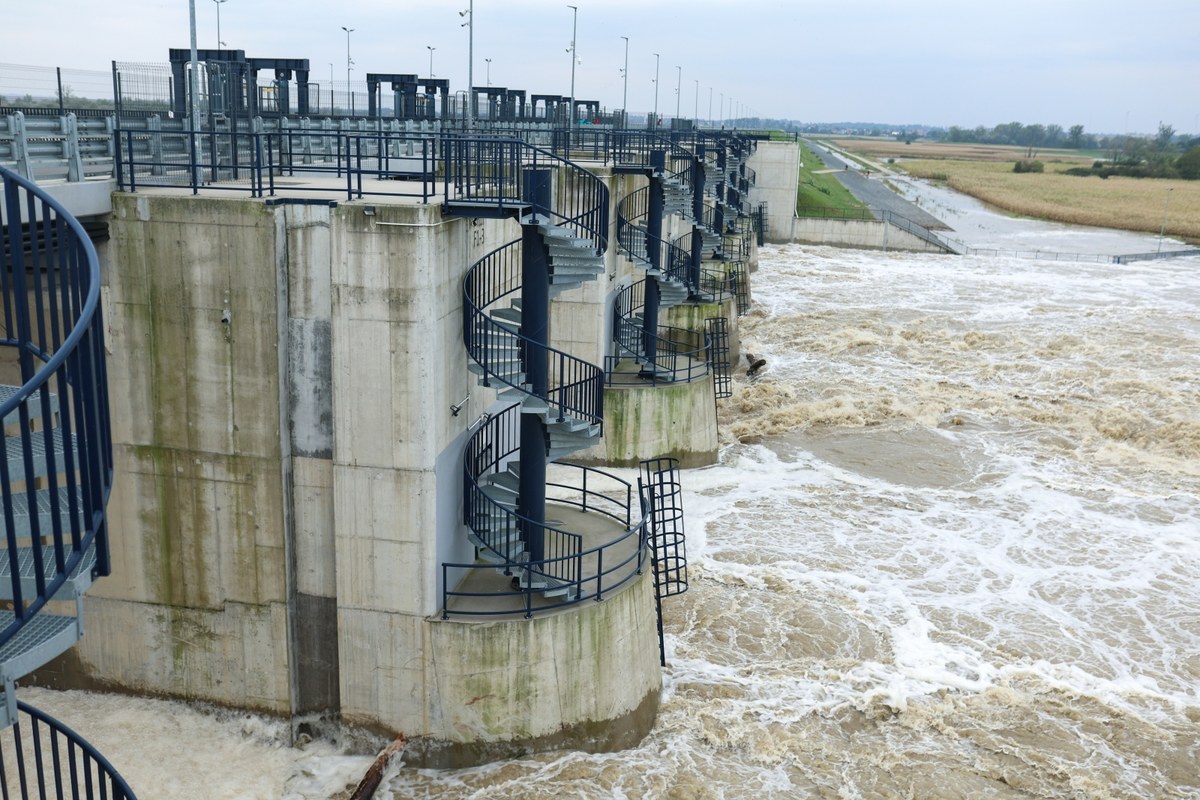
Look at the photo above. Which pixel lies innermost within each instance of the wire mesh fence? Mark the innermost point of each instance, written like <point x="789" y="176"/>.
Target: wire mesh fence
<point x="28" y="86"/>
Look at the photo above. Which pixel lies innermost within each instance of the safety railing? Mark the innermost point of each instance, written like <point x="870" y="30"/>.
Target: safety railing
<point x="56" y="456"/>
<point x="582" y="573"/>
<point x="492" y="172"/>
<point x="680" y="355"/>
<point x="576" y="386"/>
<point x="344" y="162"/>
<point x="42" y="758"/>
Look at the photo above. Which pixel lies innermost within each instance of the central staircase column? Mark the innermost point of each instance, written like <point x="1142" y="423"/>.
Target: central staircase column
<point x="535" y="325"/>
<point x="698" y="219"/>
<point x="654" y="223"/>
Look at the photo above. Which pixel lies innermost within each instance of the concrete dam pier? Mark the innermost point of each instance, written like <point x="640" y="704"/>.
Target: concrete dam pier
<point x="327" y="418"/>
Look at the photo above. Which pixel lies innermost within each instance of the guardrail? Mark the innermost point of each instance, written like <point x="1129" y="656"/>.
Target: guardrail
<point x="47" y="759"/>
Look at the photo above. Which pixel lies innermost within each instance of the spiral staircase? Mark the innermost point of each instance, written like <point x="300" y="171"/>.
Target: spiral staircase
<point x="555" y="400"/>
<point x="55" y="480"/>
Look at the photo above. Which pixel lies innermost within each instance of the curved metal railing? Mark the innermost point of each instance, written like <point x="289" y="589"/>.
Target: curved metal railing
<point x="64" y="765"/>
<point x="582" y="573"/>
<point x="491" y="172"/>
<point x="680" y="354"/>
<point x="576" y="386"/>
<point x="57" y="421"/>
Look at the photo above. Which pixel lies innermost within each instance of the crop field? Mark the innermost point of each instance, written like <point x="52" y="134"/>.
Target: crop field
<point x="986" y="172"/>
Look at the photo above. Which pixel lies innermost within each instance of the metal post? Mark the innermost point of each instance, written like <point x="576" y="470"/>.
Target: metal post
<point x="348" y="65"/>
<point x="710" y="105"/>
<point x="535" y="327"/>
<point x="678" y="87"/>
<point x="470" y="25"/>
<point x="654" y="226"/>
<point x="430" y="48"/>
<point x="489" y="71"/>
<point x="655" y="125"/>
<point x="194" y="104"/>
<point x="220" y="44"/>
<point x="696" y="111"/>
<point x="574" y="30"/>
<point x="625" y="93"/>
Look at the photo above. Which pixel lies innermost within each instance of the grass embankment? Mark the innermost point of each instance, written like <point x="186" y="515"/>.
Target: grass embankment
<point x="820" y="192"/>
<point x="986" y="172"/>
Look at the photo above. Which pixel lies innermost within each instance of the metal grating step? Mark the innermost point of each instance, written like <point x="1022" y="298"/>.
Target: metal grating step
<point x="76" y="584"/>
<point x="42" y="638"/>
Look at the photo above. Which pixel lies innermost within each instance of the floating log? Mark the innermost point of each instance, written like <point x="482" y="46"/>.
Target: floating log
<point x="374" y="775"/>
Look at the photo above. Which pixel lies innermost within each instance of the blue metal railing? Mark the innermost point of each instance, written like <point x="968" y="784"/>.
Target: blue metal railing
<point x="46" y="759"/>
<point x="589" y="573"/>
<point x="53" y="325"/>
<point x="680" y="355"/>
<point x="576" y="385"/>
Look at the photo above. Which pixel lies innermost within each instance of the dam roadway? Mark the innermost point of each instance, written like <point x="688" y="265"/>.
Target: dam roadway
<point x="875" y="193"/>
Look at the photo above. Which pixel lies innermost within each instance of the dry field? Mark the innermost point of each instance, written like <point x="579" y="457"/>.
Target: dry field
<point x="985" y="172"/>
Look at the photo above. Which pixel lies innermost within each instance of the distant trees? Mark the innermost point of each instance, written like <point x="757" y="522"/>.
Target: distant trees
<point x="1021" y="135"/>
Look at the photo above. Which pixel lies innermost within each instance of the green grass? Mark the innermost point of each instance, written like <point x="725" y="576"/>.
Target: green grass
<point x="818" y="192"/>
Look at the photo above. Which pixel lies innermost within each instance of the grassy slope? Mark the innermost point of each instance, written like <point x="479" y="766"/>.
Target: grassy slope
<point x="820" y="191"/>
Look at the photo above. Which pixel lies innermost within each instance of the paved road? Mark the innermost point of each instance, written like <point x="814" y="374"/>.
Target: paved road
<point x="873" y="192"/>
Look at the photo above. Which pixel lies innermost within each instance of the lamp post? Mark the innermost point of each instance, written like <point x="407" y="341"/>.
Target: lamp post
<point x="625" y="91"/>
<point x="574" y="29"/>
<point x="722" y="109"/>
<point x="430" y="48"/>
<point x="349" y="63"/>
<point x="710" y="105"/>
<point x="488" y="61"/>
<point x="220" y="44"/>
<point x="470" y="25"/>
<point x="331" y="111"/>
<point x="678" y="86"/>
<point x="696" y="112"/>
<point x="1163" y="229"/>
<point x="656" y="91"/>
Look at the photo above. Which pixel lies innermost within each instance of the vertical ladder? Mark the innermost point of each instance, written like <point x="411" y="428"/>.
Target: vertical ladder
<point x="662" y="492"/>
<point x="716" y="331"/>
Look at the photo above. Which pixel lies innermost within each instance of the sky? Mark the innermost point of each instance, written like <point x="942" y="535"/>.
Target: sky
<point x="1114" y="67"/>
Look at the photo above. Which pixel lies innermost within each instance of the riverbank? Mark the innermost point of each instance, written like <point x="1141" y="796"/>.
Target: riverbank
<point x="1133" y="204"/>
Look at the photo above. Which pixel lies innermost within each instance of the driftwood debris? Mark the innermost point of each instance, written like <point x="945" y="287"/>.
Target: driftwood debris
<point x="756" y="364"/>
<point x="370" y="781"/>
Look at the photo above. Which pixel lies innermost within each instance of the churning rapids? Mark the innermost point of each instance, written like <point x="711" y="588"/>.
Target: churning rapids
<point x="952" y="550"/>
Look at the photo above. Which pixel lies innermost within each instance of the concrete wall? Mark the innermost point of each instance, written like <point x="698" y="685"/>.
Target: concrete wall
<point x="860" y="233"/>
<point x="777" y="171"/>
<point x="289" y="482"/>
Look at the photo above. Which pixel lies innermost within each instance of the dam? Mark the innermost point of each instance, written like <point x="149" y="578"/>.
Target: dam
<point x="399" y="403"/>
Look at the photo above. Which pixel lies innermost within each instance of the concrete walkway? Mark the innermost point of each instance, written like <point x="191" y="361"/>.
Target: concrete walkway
<point x="873" y="191"/>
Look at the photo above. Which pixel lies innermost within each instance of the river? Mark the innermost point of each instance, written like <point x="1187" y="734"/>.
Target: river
<point x="951" y="550"/>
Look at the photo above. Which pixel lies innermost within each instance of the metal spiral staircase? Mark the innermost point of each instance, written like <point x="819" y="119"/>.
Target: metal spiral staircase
<point x="55" y="478"/>
<point x="556" y="399"/>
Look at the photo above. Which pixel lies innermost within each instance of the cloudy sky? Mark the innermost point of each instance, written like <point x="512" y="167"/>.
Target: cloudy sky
<point x="1111" y="66"/>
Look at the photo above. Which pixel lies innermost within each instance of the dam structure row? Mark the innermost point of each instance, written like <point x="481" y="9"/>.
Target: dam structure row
<point x="399" y="408"/>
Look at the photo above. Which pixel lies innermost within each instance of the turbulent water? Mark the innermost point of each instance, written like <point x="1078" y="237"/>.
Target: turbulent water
<point x="952" y="549"/>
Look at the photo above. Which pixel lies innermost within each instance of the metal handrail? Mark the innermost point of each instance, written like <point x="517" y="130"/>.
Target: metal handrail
<point x="76" y="770"/>
<point x="681" y="355"/>
<point x="576" y="386"/>
<point x="492" y="171"/>
<point x="52" y="314"/>
<point x="488" y="452"/>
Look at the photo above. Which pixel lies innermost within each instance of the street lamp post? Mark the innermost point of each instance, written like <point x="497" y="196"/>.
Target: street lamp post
<point x="574" y="30"/>
<point x="656" y="91"/>
<point x="220" y="44"/>
<point x="470" y="25"/>
<point x="710" y="105"/>
<point x="488" y="61"/>
<point x="696" y="112"/>
<point x="349" y="63"/>
<point x="430" y="48"/>
<point x="678" y="86"/>
<point x="331" y="111"/>
<point x="625" y="92"/>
